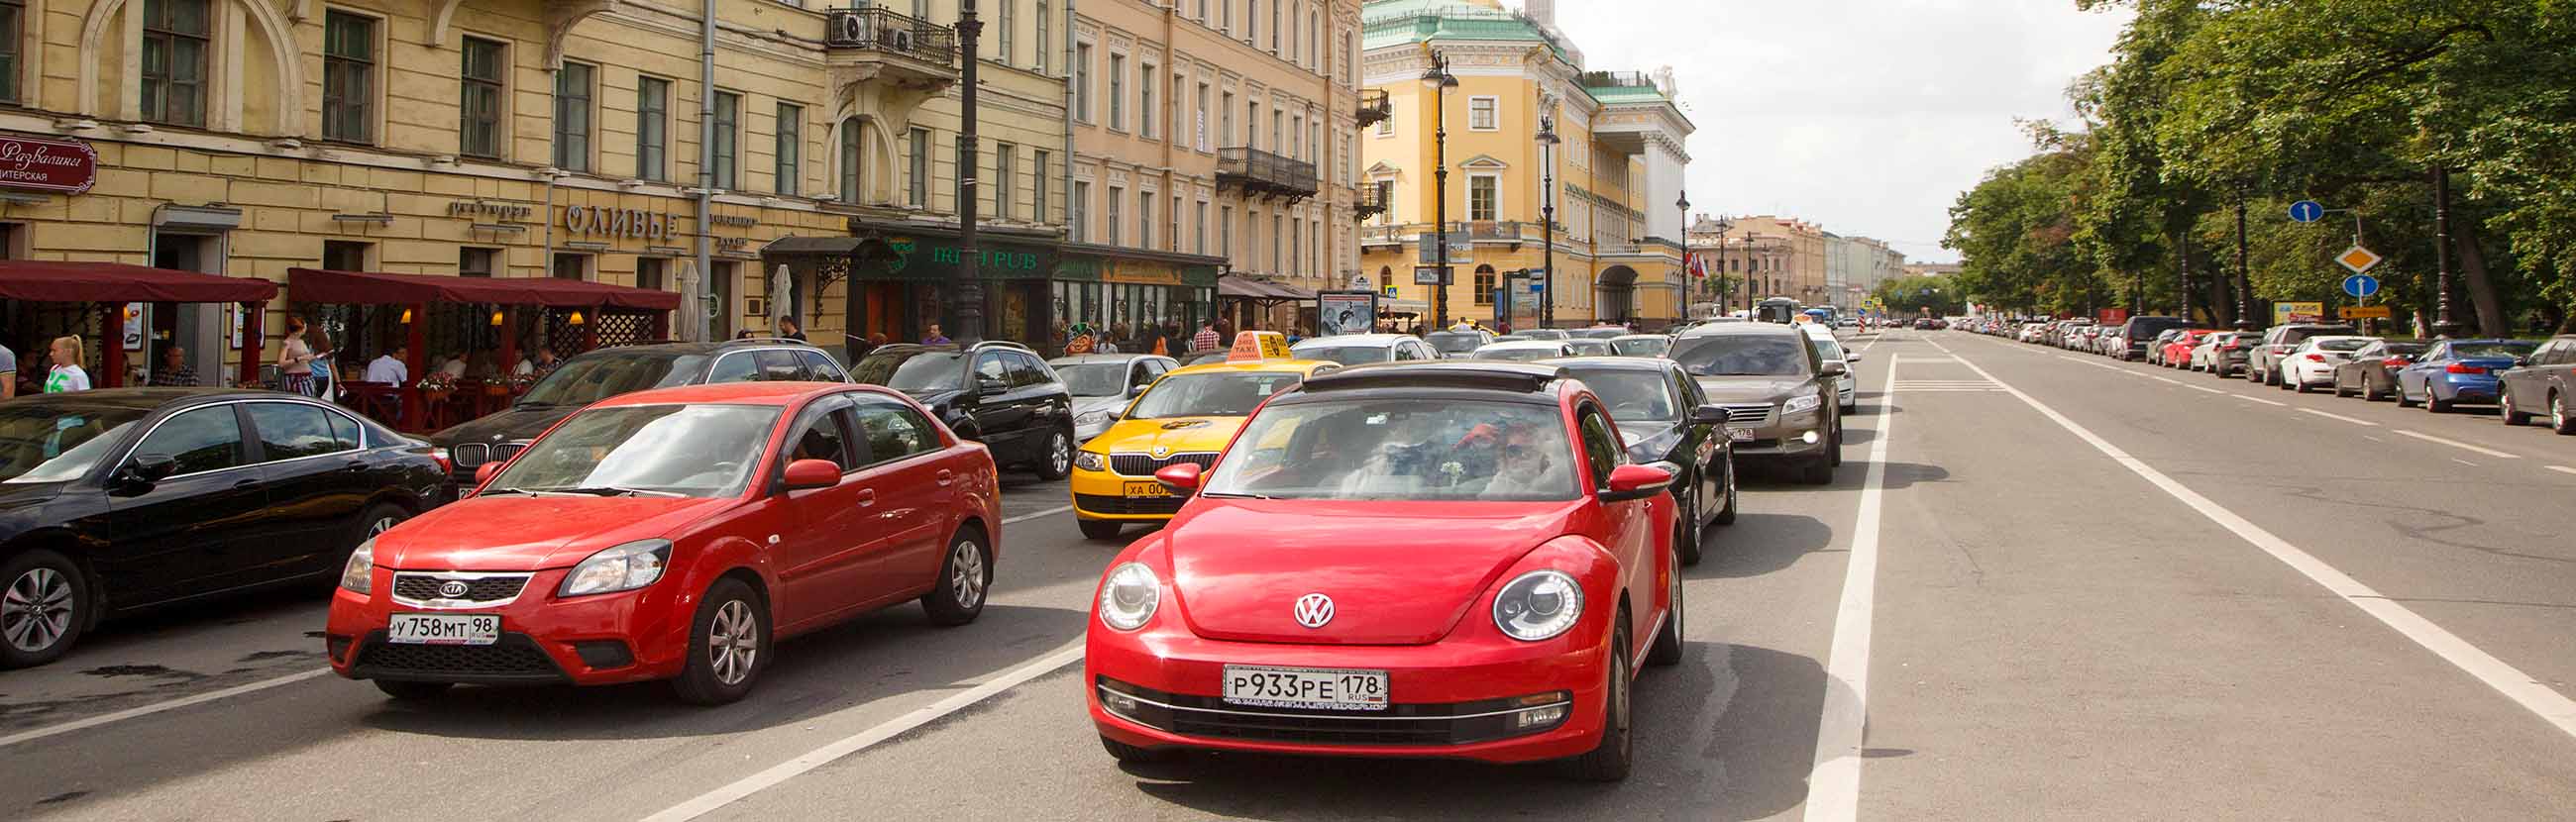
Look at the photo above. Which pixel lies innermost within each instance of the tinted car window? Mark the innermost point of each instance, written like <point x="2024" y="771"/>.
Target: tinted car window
<point x="1753" y="355"/>
<point x="1027" y="370"/>
<point x="205" y="439"/>
<point x="740" y="366"/>
<point x="55" y="437"/>
<point x="990" y="366"/>
<point x="2490" y="349"/>
<point x="1633" y="394"/>
<point x="818" y="367"/>
<point x="912" y="369"/>
<point x="1600" y="448"/>
<point x="291" y="430"/>
<point x="598" y="375"/>
<point x="1344" y="354"/>
<point x="1219" y="394"/>
<point x="892" y="430"/>
<point x="346" y="431"/>
<point x="1456" y="342"/>
<point x="820" y="437"/>
<point x="780" y="365"/>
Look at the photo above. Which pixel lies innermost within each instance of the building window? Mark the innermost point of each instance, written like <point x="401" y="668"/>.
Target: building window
<point x="571" y="267"/>
<point x="1225" y="231"/>
<point x="1118" y="92"/>
<point x="1483" y="197"/>
<point x="1038" y="191"/>
<point x="1082" y="82"/>
<point x="652" y="129"/>
<point x="1225" y="116"/>
<point x="1198" y="229"/>
<point x="175" y="35"/>
<point x="1199" y="126"/>
<point x="572" y="117"/>
<point x="1484" y="285"/>
<point x="1175" y="214"/>
<point x="919" y="156"/>
<point x="1386" y="127"/>
<point x="13" y="26"/>
<point x="348" y="75"/>
<point x="477" y="262"/>
<point x="1275" y="226"/>
<point x="652" y="272"/>
<point x="1386" y="199"/>
<point x="1010" y="10"/>
<point x="1002" y="171"/>
<point x="1296" y="244"/>
<point x="1481" y="114"/>
<point x="1145" y="101"/>
<point x="1144" y="219"/>
<point x="1045" y="26"/>
<point x="728" y="126"/>
<point x="479" y="107"/>
<point x="1117" y="229"/>
<point x="1078" y="210"/>
<point x="344" y="255"/>
<point x="789" y="156"/>
<point x="851" y="160"/>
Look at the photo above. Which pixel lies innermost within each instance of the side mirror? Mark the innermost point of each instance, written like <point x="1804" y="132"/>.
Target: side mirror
<point x="1851" y="356"/>
<point x="1183" y="477"/>
<point x="485" y="474"/>
<point x="1632" y="482"/>
<point x="152" y="468"/>
<point x="810" y="474"/>
<point x="1836" y="368"/>
<point x="1135" y="391"/>
<point x="1708" y="415"/>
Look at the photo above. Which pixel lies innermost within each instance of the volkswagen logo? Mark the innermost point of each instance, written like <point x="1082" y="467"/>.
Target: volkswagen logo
<point x="456" y="589"/>
<point x="1313" y="610"/>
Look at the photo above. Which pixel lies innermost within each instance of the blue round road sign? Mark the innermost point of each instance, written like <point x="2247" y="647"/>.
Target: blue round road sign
<point x="2307" y="211"/>
<point x="2361" y="285"/>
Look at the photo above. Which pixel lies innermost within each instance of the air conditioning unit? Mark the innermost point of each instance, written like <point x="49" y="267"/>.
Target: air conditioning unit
<point x="899" y="39"/>
<point x="849" y="30"/>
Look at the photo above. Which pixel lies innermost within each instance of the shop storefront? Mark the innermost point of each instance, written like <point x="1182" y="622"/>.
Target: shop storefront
<point x="1124" y="292"/>
<point x="901" y="279"/>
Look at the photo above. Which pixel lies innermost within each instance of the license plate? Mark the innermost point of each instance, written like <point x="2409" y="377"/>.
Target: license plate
<point x="444" y="629"/>
<point x="1333" y="689"/>
<point x="1147" y="489"/>
<point x="1739" y="434"/>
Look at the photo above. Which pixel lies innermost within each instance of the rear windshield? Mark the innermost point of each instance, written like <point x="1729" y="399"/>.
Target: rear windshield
<point x="599" y="375"/>
<point x="2342" y="345"/>
<point x="1345" y="354"/>
<point x="1454" y="342"/>
<point x="2301" y="334"/>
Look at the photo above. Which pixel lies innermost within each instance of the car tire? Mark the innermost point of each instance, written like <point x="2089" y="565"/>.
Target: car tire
<point x="1819" y="471"/>
<point x="1686" y="530"/>
<point x="2404" y="401"/>
<point x="1834" y="447"/>
<point x="2433" y="401"/>
<point x="1101" y="530"/>
<point x="2340" y="391"/>
<point x="1667" y="650"/>
<point x="2561" y="420"/>
<point x="2369" y="390"/>
<point x="740" y="612"/>
<point x="413" y="691"/>
<point x="1614" y="756"/>
<point x="1726" y="515"/>
<point x="2504" y="409"/>
<point x="379" y="518"/>
<point x="965" y="580"/>
<point x="44" y="607"/>
<point x="1126" y="753"/>
<point x="1055" y="456"/>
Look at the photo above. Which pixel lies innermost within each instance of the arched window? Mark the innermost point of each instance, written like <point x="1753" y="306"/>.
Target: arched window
<point x="850" y="161"/>
<point x="1484" y="285"/>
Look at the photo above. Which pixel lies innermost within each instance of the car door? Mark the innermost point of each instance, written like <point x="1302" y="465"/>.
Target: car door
<point x="1002" y="423"/>
<point x="1628" y="525"/>
<point x="829" y="556"/>
<point x="181" y="536"/>
<point x="2527" y="386"/>
<point x="916" y="487"/>
<point x="2560" y="374"/>
<point x="317" y="487"/>
<point x="2419" y="372"/>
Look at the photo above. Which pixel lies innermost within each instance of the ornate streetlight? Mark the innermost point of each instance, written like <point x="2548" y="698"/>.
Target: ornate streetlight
<point x="1547" y="142"/>
<point x="1440" y="81"/>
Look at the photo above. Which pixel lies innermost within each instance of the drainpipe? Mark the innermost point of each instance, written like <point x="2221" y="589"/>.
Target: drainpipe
<point x="702" y="325"/>
<point x="1069" y="10"/>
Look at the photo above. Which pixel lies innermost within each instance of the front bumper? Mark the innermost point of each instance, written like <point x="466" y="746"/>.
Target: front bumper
<point x="600" y="639"/>
<point x="1102" y="495"/>
<point x="1787" y="439"/>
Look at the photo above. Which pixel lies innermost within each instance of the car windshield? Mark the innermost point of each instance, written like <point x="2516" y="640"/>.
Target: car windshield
<point x="1455" y="342"/>
<point x="678" y="450"/>
<point x="1215" y="394"/>
<point x="2491" y="349"/>
<point x="1741" y="355"/>
<point x="915" y="371"/>
<point x="1643" y="346"/>
<point x="1632" y="395"/>
<point x="1401" y="450"/>
<point x="1517" y="353"/>
<point x="1345" y="354"/>
<point x="44" y="439"/>
<point x="599" y="375"/>
<point x="1097" y="379"/>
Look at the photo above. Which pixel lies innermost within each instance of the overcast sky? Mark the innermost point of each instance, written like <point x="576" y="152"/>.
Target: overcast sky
<point x="1867" y="116"/>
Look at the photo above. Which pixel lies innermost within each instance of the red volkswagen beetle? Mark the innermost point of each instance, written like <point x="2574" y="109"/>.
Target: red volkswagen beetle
<point x="675" y="534"/>
<point x="1448" y="559"/>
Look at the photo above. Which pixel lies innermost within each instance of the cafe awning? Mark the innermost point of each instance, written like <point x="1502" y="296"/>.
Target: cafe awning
<point x="92" y="282"/>
<point x="371" y="288"/>
<point x="1262" y="291"/>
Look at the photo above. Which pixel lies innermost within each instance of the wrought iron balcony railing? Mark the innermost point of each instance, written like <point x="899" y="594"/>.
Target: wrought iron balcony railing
<point x="1265" y="174"/>
<point x="877" y="29"/>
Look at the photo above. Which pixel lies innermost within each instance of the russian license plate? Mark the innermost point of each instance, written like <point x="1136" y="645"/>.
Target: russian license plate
<point x="444" y="629"/>
<point x="1147" y="489"/>
<point x="1333" y="689"/>
<point x="1739" y="434"/>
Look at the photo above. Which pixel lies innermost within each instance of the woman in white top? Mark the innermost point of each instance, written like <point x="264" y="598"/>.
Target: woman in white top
<point x="67" y="374"/>
<point x="295" y="360"/>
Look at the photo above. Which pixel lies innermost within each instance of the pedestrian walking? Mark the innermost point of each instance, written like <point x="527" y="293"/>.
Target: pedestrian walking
<point x="66" y="375"/>
<point x="1207" y="337"/>
<point x="936" y="338"/>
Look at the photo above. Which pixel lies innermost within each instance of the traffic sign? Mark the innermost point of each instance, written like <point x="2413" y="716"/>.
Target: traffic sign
<point x="2359" y="259"/>
<point x="2365" y="312"/>
<point x="2307" y="211"/>
<point x="1360" y="282"/>
<point x="2361" y="285"/>
<point x="1431" y="275"/>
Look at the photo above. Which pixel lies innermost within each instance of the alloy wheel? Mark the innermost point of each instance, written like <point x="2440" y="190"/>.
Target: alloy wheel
<point x="733" y="642"/>
<point x="966" y="582"/>
<point x="1059" y="453"/>
<point x="381" y="525"/>
<point x="37" y="609"/>
<point x="2558" y="413"/>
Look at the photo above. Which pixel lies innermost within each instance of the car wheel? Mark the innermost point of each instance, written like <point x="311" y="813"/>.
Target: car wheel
<point x="2504" y="408"/>
<point x="379" y="518"/>
<point x="1834" y="447"/>
<point x="728" y="645"/>
<point x="2404" y="401"/>
<point x="2559" y="420"/>
<point x="2340" y="391"/>
<point x="1124" y="752"/>
<point x="2433" y="401"/>
<point x="1612" y="758"/>
<point x="1101" y="530"/>
<point x="963" y="580"/>
<point x="413" y="691"/>
<point x="1055" y="462"/>
<point x="1667" y="650"/>
<point x="43" y="609"/>
<point x="1819" y="471"/>
<point x="1726" y="515"/>
<point x="2369" y="390"/>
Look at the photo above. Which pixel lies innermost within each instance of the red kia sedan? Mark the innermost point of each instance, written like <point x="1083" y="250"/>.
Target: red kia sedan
<point x="675" y="534"/>
<point x="1449" y="559"/>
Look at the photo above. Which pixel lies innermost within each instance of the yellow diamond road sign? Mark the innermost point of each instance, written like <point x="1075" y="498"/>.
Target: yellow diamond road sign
<point x="2359" y="259"/>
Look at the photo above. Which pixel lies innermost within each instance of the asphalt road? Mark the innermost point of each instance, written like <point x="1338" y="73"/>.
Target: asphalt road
<point x="2086" y="590"/>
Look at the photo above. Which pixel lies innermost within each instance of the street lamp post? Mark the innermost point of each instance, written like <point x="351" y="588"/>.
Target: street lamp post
<point x="1683" y="203"/>
<point x="2244" y="273"/>
<point x="2443" y="324"/>
<point x="1440" y="81"/>
<point x="1547" y="142"/>
<point x="968" y="302"/>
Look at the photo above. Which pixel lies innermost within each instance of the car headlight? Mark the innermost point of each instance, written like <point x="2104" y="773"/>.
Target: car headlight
<point x="1802" y="404"/>
<point x="1538" y="605"/>
<point x="1091" y="418"/>
<point x="1090" y="461"/>
<point x="1129" y="597"/>
<point x="359" y="576"/>
<point x="621" y="568"/>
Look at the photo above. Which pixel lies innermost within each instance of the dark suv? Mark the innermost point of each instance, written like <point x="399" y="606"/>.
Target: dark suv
<point x="997" y="393"/>
<point x="1779" y="394"/>
<point x="2140" y="332"/>
<point x="597" y="375"/>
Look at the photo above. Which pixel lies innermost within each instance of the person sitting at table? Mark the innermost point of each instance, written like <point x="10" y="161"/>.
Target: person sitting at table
<point x="392" y="367"/>
<point x="544" y="363"/>
<point x="454" y="366"/>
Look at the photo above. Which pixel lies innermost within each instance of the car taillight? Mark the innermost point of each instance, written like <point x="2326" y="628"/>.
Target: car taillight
<point x="2316" y="358"/>
<point x="2235" y="346"/>
<point x="2464" y="368"/>
<point x="2395" y="362"/>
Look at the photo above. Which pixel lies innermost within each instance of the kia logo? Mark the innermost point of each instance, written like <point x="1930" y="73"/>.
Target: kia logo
<point x="1313" y="610"/>
<point x="456" y="588"/>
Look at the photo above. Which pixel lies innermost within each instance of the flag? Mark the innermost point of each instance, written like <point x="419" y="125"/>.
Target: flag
<point x="1692" y="264"/>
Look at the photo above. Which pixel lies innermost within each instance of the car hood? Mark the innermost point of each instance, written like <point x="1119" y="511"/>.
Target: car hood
<point x="1170" y="435"/>
<point x="1398" y="573"/>
<point x="520" y="533"/>
<point x="518" y="424"/>
<point x="1752" y="389"/>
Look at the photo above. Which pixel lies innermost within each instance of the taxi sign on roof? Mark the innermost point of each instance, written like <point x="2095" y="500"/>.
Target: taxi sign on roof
<point x="1256" y="346"/>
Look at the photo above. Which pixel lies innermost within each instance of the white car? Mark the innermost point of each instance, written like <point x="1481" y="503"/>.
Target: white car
<point x="2311" y="365"/>
<point x="1846" y="387"/>
<point x="1362" y="349"/>
<point x="1524" y="351"/>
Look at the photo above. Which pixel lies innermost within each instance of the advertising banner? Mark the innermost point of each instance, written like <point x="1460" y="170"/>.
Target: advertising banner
<point x="1345" y="312"/>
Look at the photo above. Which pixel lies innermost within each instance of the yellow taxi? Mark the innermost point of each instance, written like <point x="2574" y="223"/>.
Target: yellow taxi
<point x="1186" y="416"/>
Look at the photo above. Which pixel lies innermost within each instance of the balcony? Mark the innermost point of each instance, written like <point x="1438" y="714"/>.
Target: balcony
<point x="1263" y="174"/>
<point x="895" y="47"/>
<point x="1370" y="203"/>
<point x="1374" y="107"/>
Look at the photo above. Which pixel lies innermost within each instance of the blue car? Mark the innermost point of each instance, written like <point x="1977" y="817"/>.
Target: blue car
<point x="2458" y="371"/>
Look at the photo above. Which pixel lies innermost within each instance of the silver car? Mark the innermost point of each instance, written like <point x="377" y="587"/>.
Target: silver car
<point x="1102" y="384"/>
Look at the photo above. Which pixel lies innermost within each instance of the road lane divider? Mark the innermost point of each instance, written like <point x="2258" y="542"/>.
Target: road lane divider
<point x="2249" y="399"/>
<point x="2551" y="706"/>
<point x="2340" y="418"/>
<point x="1833" y="781"/>
<point x="2562" y="469"/>
<point x="1036" y="515"/>
<point x="157" y="707"/>
<point x="2204" y="389"/>
<point x="2474" y="449"/>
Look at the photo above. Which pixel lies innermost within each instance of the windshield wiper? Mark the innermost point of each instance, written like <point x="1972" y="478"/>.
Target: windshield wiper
<point x="1231" y="495"/>
<point x="507" y="491"/>
<point x="609" y="491"/>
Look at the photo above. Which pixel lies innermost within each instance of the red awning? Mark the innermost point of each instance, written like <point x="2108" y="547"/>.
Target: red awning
<point x="80" y="282"/>
<point x="311" y="285"/>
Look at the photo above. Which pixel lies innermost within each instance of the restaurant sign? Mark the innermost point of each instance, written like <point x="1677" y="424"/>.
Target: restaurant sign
<point x="628" y="223"/>
<point x="67" y="166"/>
<point x="940" y="258"/>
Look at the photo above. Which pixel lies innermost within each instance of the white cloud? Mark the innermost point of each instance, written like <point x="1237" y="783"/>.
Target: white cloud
<point x="1867" y="116"/>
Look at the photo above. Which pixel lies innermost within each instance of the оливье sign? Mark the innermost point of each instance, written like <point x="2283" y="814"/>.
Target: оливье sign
<point x="67" y="166"/>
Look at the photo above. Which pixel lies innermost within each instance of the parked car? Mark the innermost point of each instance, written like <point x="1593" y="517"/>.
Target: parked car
<point x="2457" y="371"/>
<point x="1642" y="345"/>
<point x="2137" y="331"/>
<point x="996" y="393"/>
<point x="1459" y="344"/>
<point x="1665" y="421"/>
<point x="118" y="501"/>
<point x="1592" y="347"/>
<point x="2372" y="371"/>
<point x="1510" y="638"/>
<point x="2263" y="359"/>
<point x="1362" y="349"/>
<point x="2232" y="353"/>
<point x="1528" y="351"/>
<point x="1546" y="334"/>
<point x="675" y="534"/>
<point x="2156" y="346"/>
<point x="1599" y="332"/>
<point x="1778" y="394"/>
<point x="1103" y="383"/>
<point x="2544" y="383"/>
<point x="592" y="376"/>
<point x="2311" y="364"/>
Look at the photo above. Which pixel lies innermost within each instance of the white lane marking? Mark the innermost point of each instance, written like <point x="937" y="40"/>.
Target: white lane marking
<point x="2246" y="398"/>
<point x="1833" y="782"/>
<point x="790" y="769"/>
<point x="2166" y="381"/>
<point x="2340" y="418"/>
<point x="2562" y="469"/>
<point x="2552" y="707"/>
<point x="157" y="707"/>
<point x="2464" y="462"/>
<point x="2458" y="444"/>
<point x="1037" y="514"/>
<point x="2204" y="389"/>
<point x="2372" y="438"/>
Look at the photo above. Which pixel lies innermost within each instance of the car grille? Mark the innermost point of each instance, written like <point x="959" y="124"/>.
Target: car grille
<point x="1101" y="504"/>
<point x="1402" y="724"/>
<point x="468" y="456"/>
<point x="428" y="590"/>
<point x="1747" y="416"/>
<point x="514" y="657"/>
<point x="1144" y="465"/>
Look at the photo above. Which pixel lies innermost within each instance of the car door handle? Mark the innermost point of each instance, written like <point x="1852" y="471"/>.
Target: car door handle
<point x="946" y="476"/>
<point x="241" y="485"/>
<point x="867" y="497"/>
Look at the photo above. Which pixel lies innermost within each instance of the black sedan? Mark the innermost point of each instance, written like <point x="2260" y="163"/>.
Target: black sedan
<point x="1668" y="423"/>
<point x="121" y="500"/>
